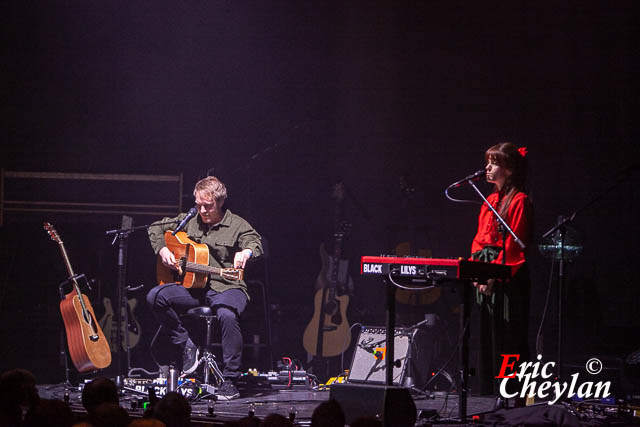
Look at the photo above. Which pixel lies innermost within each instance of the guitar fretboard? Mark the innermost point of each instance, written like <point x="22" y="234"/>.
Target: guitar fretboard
<point x="199" y="268"/>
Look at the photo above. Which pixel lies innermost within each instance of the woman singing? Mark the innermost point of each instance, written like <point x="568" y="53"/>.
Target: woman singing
<point x="505" y="306"/>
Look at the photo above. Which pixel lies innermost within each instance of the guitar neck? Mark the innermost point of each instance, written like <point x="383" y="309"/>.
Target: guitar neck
<point x="193" y="267"/>
<point x="72" y="275"/>
<point x="67" y="264"/>
<point x="337" y="256"/>
<point x="65" y="258"/>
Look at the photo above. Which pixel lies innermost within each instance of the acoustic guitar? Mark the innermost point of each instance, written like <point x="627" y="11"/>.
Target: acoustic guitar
<point x="192" y="263"/>
<point x="328" y="333"/>
<point x="88" y="347"/>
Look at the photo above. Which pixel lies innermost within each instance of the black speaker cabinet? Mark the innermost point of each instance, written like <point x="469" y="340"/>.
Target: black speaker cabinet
<point x="390" y="404"/>
<point x="369" y="358"/>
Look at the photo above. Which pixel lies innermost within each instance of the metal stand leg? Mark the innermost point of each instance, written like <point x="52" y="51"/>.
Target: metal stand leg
<point x="210" y="366"/>
<point x="209" y="361"/>
<point x="465" y="313"/>
<point x="408" y="380"/>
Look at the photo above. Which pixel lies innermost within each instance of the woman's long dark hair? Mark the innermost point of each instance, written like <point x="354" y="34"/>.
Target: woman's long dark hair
<point x="508" y="156"/>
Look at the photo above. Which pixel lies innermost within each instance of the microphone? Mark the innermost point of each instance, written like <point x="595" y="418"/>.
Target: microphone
<point x="192" y="212"/>
<point x="474" y="177"/>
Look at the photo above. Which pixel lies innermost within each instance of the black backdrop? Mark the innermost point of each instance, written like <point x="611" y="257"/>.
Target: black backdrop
<point x="282" y="100"/>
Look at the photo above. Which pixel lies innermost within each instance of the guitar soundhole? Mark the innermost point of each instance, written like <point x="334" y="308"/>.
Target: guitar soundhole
<point x="330" y="307"/>
<point x="87" y="317"/>
<point x="337" y="318"/>
<point x="92" y="323"/>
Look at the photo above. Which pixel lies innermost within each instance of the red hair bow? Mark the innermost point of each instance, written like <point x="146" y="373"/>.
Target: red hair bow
<point x="522" y="151"/>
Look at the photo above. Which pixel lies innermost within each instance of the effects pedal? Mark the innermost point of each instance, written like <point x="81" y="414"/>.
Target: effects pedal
<point x="187" y="386"/>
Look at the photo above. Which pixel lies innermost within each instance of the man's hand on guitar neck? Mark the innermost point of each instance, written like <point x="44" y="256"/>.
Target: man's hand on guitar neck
<point x="168" y="259"/>
<point x="240" y="259"/>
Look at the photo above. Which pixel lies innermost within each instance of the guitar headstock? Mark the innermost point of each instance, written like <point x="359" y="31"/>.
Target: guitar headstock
<point x="232" y="273"/>
<point x="52" y="232"/>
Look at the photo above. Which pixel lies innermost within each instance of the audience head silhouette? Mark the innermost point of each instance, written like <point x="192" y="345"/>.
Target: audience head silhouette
<point x="173" y="410"/>
<point x="98" y="391"/>
<point x="328" y="414"/>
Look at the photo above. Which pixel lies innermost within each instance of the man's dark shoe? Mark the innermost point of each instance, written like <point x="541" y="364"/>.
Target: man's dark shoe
<point x="227" y="391"/>
<point x="190" y="355"/>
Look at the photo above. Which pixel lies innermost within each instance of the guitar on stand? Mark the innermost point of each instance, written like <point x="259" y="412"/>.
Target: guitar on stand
<point x="328" y="333"/>
<point x="109" y="324"/>
<point x="88" y="347"/>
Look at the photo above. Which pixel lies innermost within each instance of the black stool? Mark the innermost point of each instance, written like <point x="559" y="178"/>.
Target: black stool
<point x="207" y="359"/>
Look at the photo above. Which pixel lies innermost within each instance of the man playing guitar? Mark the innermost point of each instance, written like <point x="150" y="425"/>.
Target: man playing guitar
<point x="231" y="241"/>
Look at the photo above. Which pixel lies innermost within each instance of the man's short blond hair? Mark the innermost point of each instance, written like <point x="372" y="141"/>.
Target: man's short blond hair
<point x="211" y="187"/>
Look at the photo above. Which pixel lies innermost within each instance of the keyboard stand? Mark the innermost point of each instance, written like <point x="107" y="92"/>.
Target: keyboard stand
<point x="465" y="312"/>
<point x="391" y="329"/>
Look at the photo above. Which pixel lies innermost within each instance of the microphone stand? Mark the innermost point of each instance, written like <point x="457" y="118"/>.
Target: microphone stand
<point x="121" y="235"/>
<point x="560" y="229"/>
<point x="466" y="310"/>
<point x="127" y="231"/>
<point x="408" y="381"/>
<point x="501" y="220"/>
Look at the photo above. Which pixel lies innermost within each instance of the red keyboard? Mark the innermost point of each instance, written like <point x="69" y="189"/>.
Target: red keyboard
<point x="432" y="268"/>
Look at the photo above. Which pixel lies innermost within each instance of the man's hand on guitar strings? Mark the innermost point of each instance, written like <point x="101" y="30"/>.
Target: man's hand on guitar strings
<point x="240" y="259"/>
<point x="168" y="259"/>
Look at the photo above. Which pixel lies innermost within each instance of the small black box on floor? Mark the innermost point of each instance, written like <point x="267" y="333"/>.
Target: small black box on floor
<point x="390" y="404"/>
<point x="253" y="382"/>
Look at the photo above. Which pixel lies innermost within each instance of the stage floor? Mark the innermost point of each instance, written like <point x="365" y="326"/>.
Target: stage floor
<point x="445" y="408"/>
<point x="274" y="401"/>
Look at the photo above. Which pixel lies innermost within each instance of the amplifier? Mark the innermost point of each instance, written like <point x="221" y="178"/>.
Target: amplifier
<point x="368" y="364"/>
